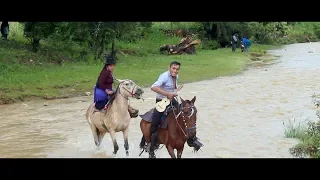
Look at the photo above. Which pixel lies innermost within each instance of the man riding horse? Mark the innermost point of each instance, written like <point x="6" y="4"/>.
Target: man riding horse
<point x="165" y="86"/>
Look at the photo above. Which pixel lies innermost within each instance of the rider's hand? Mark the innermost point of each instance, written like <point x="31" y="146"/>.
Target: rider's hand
<point x="109" y="92"/>
<point x="172" y="95"/>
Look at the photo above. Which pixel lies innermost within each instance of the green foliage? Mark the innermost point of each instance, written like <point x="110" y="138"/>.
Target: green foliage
<point x="35" y="31"/>
<point x="317" y="33"/>
<point x="309" y="135"/>
<point x="294" y="129"/>
<point x="210" y="45"/>
<point x="96" y="37"/>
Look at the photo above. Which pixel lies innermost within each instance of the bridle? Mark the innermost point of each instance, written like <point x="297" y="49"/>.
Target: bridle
<point x="119" y="91"/>
<point x="181" y="108"/>
<point x="131" y="93"/>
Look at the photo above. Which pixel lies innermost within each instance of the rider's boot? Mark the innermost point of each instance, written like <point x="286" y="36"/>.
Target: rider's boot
<point x="133" y="112"/>
<point x="156" y="121"/>
<point x="105" y="108"/>
<point x="153" y="143"/>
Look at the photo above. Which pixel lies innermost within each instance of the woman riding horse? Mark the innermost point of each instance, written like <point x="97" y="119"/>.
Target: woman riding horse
<point x="103" y="89"/>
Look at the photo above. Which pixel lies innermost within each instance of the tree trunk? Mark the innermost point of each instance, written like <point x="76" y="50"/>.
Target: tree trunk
<point x="102" y="47"/>
<point x="96" y="49"/>
<point x="35" y="45"/>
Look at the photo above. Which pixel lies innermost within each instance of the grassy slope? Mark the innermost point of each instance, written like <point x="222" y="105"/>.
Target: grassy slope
<point x="24" y="74"/>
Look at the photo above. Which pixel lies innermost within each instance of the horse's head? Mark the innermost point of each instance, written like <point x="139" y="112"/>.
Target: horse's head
<point x="128" y="88"/>
<point x="189" y="116"/>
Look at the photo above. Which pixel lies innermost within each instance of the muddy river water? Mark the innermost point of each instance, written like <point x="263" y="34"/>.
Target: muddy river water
<point x="238" y="116"/>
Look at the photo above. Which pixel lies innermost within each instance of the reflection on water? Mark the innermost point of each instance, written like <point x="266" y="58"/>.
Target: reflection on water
<point x="239" y="116"/>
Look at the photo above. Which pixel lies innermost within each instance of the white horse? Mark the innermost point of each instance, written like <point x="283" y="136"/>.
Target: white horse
<point x="117" y="117"/>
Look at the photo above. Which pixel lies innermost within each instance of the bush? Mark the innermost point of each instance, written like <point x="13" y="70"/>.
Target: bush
<point x="317" y="33"/>
<point x="210" y="45"/>
<point x="309" y="136"/>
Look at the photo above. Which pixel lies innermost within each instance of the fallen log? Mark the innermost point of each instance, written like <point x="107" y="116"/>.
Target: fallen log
<point x="180" y="48"/>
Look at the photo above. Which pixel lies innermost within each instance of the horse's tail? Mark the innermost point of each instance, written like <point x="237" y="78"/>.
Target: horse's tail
<point x="142" y="145"/>
<point x="89" y="113"/>
<point x="143" y="142"/>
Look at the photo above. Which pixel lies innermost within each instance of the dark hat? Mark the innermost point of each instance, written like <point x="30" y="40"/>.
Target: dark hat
<point x="109" y="60"/>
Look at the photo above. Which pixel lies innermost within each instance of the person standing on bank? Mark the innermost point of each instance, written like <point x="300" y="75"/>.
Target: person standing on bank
<point x="5" y="29"/>
<point x="165" y="86"/>
<point x="234" y="40"/>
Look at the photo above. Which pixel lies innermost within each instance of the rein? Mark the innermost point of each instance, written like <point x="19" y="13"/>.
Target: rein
<point x="183" y="119"/>
<point x="131" y="93"/>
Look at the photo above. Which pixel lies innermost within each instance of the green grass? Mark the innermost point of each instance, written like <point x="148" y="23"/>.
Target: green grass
<point x="295" y="129"/>
<point x="309" y="136"/>
<point x="307" y="133"/>
<point x="19" y="81"/>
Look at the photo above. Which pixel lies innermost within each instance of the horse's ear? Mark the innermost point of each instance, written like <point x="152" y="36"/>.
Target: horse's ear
<point x="181" y="100"/>
<point x="193" y="99"/>
<point x="120" y="80"/>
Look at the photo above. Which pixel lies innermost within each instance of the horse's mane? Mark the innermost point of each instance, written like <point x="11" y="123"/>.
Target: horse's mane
<point x="114" y="95"/>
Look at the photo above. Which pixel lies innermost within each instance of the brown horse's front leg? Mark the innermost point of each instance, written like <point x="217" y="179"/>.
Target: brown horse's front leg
<point x="171" y="151"/>
<point x="179" y="152"/>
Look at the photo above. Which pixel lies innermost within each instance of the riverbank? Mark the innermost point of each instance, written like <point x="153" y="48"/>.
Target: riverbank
<point x="36" y="79"/>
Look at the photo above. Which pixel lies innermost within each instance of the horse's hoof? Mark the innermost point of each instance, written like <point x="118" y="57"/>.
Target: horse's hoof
<point x="147" y="147"/>
<point x="152" y="155"/>
<point x="97" y="144"/>
<point x="114" y="155"/>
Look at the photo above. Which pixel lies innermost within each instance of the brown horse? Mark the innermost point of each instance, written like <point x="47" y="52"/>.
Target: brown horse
<point x="178" y="127"/>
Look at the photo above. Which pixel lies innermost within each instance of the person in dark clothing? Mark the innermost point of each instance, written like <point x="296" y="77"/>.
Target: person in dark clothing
<point x="234" y="40"/>
<point x="5" y="29"/>
<point x="165" y="86"/>
<point x="103" y="89"/>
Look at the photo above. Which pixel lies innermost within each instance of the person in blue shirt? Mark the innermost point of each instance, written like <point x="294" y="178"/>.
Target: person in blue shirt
<point x="165" y="86"/>
<point x="246" y="44"/>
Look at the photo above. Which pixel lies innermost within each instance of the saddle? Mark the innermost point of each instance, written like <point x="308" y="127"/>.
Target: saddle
<point x="148" y="116"/>
<point x="133" y="112"/>
<point x="103" y="110"/>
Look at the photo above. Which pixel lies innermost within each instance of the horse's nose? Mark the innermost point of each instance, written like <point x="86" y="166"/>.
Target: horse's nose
<point x="192" y="133"/>
<point x="139" y="91"/>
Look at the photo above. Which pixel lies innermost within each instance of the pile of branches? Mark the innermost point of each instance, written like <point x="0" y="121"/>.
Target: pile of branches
<point x="186" y="46"/>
